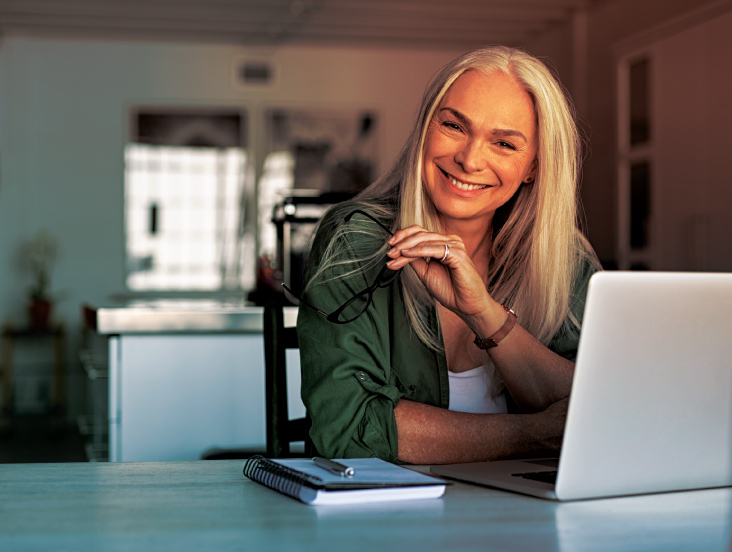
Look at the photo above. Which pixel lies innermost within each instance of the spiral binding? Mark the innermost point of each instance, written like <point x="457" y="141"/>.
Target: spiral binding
<point x="278" y="477"/>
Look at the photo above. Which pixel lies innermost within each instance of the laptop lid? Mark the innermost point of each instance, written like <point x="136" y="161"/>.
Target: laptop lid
<point x="651" y="403"/>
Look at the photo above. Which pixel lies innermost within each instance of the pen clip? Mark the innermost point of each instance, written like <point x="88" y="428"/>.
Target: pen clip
<point x="334" y="467"/>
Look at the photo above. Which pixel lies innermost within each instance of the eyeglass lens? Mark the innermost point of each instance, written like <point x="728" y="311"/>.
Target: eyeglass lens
<point x="358" y="304"/>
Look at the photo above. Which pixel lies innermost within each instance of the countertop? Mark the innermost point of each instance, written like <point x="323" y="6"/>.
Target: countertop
<point x="179" y="316"/>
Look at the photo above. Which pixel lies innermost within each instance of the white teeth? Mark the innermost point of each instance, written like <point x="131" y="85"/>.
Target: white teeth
<point x="465" y="186"/>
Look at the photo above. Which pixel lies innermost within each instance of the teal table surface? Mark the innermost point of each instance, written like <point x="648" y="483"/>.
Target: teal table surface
<point x="211" y="506"/>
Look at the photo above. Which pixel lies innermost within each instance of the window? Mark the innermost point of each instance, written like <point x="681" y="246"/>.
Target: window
<point x="199" y="216"/>
<point x="186" y="201"/>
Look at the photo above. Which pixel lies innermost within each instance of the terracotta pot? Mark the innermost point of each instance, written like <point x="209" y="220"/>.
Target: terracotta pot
<point x="39" y="313"/>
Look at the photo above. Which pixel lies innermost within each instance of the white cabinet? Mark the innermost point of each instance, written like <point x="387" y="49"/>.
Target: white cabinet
<point x="173" y="396"/>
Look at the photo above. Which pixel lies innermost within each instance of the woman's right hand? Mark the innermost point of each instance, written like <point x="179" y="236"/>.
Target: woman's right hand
<point x="454" y="283"/>
<point x="549" y="425"/>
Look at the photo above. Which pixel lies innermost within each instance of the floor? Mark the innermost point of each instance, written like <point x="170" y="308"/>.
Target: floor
<point x="32" y="440"/>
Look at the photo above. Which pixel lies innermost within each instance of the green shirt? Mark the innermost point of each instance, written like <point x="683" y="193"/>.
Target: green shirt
<point x="353" y="375"/>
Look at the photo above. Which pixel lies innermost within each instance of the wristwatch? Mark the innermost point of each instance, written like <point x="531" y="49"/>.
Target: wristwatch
<point x="495" y="339"/>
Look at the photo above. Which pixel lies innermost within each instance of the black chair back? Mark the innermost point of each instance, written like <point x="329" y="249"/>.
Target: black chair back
<point x="281" y="431"/>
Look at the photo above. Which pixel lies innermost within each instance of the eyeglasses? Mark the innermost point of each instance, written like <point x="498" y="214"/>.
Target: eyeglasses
<point x="359" y="303"/>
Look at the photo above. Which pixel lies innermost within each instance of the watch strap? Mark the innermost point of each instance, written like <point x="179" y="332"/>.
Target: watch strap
<point x="495" y="339"/>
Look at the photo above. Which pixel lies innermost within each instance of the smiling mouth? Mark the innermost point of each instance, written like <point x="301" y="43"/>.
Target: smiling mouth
<point x="464" y="185"/>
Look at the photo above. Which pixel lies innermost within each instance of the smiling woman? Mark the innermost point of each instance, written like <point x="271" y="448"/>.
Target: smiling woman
<point x="480" y="146"/>
<point x="492" y="273"/>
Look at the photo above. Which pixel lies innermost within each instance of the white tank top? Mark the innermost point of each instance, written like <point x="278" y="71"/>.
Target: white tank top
<point x="470" y="392"/>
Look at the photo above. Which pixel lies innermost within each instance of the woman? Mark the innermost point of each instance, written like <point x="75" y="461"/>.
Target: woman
<point x="429" y="364"/>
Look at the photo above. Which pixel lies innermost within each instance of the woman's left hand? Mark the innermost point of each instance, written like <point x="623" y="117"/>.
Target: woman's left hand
<point x="454" y="282"/>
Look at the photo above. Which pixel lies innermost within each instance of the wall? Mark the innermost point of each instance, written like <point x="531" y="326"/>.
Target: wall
<point x="63" y="109"/>
<point x="5" y="238"/>
<point x="63" y="124"/>
<point x="691" y="144"/>
<point x="606" y="25"/>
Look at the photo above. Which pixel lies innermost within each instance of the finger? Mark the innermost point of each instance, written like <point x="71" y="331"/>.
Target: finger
<point x="406" y="256"/>
<point x="420" y="239"/>
<point x="414" y="240"/>
<point x="446" y="249"/>
<point x="419" y="258"/>
<point x="433" y="250"/>
<point x="423" y="239"/>
<point x="401" y="262"/>
<point x="404" y="233"/>
<point x="409" y="237"/>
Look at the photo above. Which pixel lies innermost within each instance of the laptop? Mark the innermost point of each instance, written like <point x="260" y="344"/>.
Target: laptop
<point x="651" y="403"/>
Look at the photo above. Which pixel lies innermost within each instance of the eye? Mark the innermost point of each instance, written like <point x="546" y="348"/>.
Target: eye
<point x="451" y="125"/>
<point x="506" y="145"/>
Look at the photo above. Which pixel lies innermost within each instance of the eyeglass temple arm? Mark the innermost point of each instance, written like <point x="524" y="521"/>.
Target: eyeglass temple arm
<point x="301" y="300"/>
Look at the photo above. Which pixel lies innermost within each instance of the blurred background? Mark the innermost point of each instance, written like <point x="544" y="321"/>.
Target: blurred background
<point x="181" y="150"/>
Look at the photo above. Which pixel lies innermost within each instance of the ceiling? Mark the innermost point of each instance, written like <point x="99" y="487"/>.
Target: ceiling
<point x="443" y="24"/>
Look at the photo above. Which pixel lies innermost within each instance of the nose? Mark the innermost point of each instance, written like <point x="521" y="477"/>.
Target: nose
<point x="471" y="157"/>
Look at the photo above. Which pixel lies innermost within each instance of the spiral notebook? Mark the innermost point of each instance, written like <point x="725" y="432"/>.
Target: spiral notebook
<point x="374" y="480"/>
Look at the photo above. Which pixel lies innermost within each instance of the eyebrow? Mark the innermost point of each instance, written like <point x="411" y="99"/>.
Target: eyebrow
<point x="502" y="132"/>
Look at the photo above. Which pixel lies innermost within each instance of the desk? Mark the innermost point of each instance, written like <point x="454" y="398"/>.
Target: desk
<point x="210" y="505"/>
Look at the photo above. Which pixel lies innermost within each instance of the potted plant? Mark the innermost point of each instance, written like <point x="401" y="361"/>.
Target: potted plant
<point x="42" y="253"/>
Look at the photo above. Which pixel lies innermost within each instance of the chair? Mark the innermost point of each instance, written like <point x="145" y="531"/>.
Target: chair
<point x="281" y="431"/>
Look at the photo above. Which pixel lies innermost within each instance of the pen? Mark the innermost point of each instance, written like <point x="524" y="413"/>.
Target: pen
<point x="334" y="467"/>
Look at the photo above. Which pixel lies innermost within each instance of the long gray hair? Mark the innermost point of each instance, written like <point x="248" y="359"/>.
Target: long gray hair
<point x="536" y="245"/>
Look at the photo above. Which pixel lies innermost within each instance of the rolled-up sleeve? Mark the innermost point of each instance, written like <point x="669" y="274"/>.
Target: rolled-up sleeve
<point x="348" y="386"/>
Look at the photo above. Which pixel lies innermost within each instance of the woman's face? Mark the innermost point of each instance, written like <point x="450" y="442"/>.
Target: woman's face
<point x="480" y="145"/>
